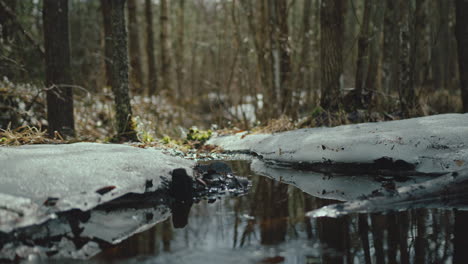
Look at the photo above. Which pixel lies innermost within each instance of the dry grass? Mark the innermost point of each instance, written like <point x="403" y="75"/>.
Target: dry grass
<point x="25" y="135"/>
<point x="281" y="124"/>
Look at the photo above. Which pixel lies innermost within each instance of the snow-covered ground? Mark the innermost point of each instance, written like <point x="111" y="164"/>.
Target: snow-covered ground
<point x="37" y="181"/>
<point x="431" y="144"/>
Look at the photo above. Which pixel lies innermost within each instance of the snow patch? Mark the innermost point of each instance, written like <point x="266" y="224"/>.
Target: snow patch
<point x="39" y="180"/>
<point x="433" y="144"/>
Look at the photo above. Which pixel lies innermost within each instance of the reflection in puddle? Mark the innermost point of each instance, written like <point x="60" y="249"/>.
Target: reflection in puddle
<point x="267" y="225"/>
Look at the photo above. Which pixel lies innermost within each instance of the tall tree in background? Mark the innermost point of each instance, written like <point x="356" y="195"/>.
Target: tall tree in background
<point x="58" y="70"/>
<point x="304" y="64"/>
<point x="136" y="75"/>
<point x="374" y="74"/>
<point x="283" y="62"/>
<point x="179" y="51"/>
<point x="152" y="73"/>
<point x="331" y="52"/>
<point x="166" y="63"/>
<point x="363" y="55"/>
<point x="119" y="77"/>
<point x="406" y="90"/>
<point x="390" y="47"/>
<point x="107" y="25"/>
<point x="461" y="33"/>
<point x="368" y="53"/>
<point x="269" y="28"/>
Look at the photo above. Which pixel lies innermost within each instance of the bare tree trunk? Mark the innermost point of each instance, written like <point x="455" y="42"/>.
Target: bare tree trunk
<point x="119" y="79"/>
<point x="461" y="33"/>
<point x="136" y="75"/>
<point x="441" y="49"/>
<point x="374" y="74"/>
<point x="166" y="70"/>
<point x="58" y="69"/>
<point x="304" y="65"/>
<point x="152" y="72"/>
<point x="421" y="42"/>
<point x="363" y="56"/>
<point x="286" y="89"/>
<point x="406" y="91"/>
<point x="179" y="51"/>
<point x="258" y="27"/>
<point x="107" y="24"/>
<point x="331" y="56"/>
<point x="390" y="47"/>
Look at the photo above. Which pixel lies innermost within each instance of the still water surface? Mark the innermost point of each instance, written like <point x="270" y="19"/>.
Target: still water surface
<point x="268" y="225"/>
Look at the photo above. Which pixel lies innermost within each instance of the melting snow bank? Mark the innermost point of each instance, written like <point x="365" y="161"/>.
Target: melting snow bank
<point x="37" y="181"/>
<point x="334" y="187"/>
<point x="448" y="191"/>
<point x="427" y="145"/>
<point x="78" y="235"/>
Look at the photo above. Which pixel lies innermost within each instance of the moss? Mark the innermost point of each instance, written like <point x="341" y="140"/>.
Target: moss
<point x="198" y="135"/>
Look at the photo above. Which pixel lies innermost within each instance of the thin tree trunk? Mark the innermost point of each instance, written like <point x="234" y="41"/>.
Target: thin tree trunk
<point x="421" y="44"/>
<point x="363" y="55"/>
<point x="259" y="29"/>
<point x="331" y="56"/>
<point x="374" y="74"/>
<point x="461" y="33"/>
<point x="303" y="67"/>
<point x="179" y="52"/>
<point x="286" y="89"/>
<point x="136" y="75"/>
<point x="119" y="79"/>
<point x="166" y="78"/>
<point x="152" y="72"/>
<point x="58" y="69"/>
<point x="390" y="48"/>
<point x="107" y="24"/>
<point x="406" y="91"/>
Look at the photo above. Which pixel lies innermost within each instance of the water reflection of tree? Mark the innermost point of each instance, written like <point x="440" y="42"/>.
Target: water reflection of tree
<point x="273" y="212"/>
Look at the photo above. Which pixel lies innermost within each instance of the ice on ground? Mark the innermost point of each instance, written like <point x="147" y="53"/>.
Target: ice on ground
<point x="336" y="187"/>
<point x="80" y="235"/>
<point x="37" y="181"/>
<point x="433" y="144"/>
<point x="447" y="191"/>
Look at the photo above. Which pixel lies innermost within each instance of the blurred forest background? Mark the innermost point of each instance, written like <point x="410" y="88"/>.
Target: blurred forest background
<point x="280" y="64"/>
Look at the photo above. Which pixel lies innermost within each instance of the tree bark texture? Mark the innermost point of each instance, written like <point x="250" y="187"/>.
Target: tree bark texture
<point x="374" y="73"/>
<point x="390" y="47"/>
<point x="267" y="22"/>
<point x="58" y="69"/>
<point x="179" y="51"/>
<point x="331" y="53"/>
<point x="366" y="81"/>
<point x="286" y="89"/>
<point x="461" y="33"/>
<point x="406" y="89"/>
<point x="363" y="50"/>
<point x="166" y="65"/>
<point x="136" y="75"/>
<point x="152" y="71"/>
<point x="119" y="79"/>
<point x="304" y="65"/>
<point x="107" y="25"/>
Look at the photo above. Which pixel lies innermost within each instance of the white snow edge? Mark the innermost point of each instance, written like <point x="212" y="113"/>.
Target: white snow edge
<point x="434" y="144"/>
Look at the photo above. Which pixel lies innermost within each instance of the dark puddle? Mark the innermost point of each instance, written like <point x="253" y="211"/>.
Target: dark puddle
<point x="266" y="225"/>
